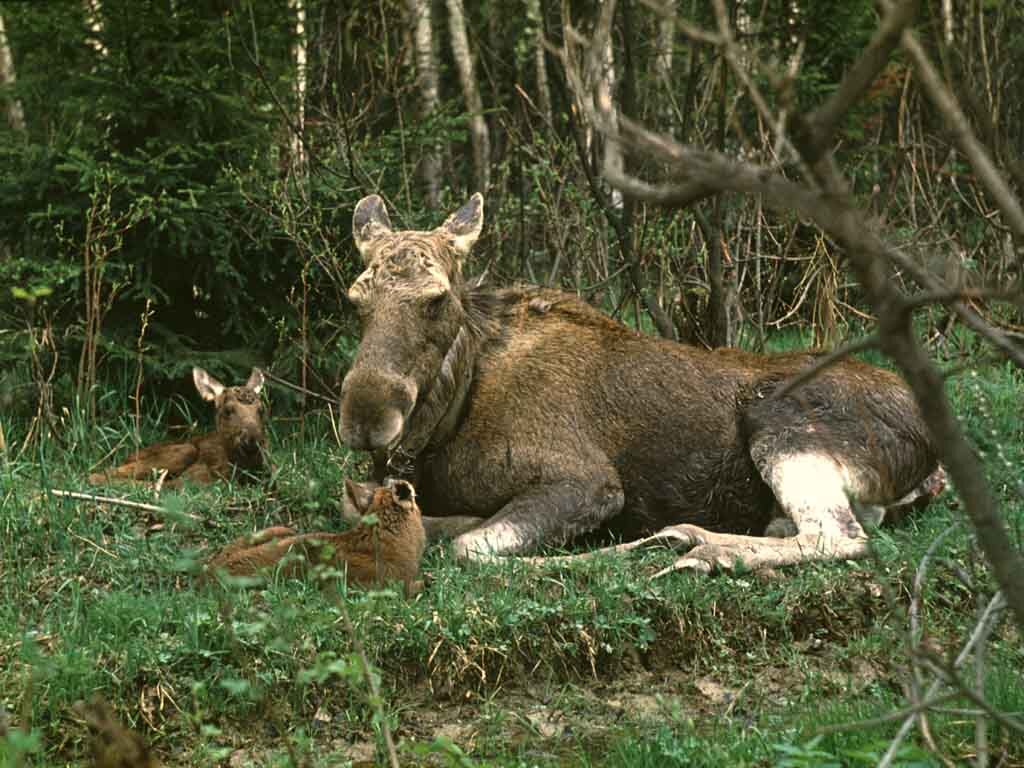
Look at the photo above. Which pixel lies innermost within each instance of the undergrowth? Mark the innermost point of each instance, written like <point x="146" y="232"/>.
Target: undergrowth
<point x="496" y="664"/>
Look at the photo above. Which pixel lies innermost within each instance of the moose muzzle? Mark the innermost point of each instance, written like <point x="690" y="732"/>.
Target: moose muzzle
<point x="374" y="408"/>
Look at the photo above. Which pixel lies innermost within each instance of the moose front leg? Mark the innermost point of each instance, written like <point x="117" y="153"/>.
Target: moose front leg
<point x="441" y="528"/>
<point x="547" y="515"/>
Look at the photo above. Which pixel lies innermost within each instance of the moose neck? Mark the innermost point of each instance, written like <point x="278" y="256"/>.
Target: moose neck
<point x="436" y="415"/>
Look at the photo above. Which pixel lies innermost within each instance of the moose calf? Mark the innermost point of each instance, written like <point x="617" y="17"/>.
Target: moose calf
<point x="236" y="450"/>
<point x="389" y="550"/>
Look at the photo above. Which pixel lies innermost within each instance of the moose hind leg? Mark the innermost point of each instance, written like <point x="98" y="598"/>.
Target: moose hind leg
<point x="547" y="515"/>
<point x="811" y="490"/>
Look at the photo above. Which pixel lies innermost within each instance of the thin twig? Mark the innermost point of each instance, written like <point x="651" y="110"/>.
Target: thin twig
<point x="297" y="388"/>
<point x="914" y="639"/>
<point x="991" y="612"/>
<point x="951" y="295"/>
<point x="948" y="673"/>
<point x="127" y="503"/>
<point x="94" y="545"/>
<point x="910" y="711"/>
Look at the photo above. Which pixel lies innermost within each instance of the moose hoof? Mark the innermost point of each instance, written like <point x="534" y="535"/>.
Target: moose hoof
<point x="703" y="559"/>
<point x="680" y="538"/>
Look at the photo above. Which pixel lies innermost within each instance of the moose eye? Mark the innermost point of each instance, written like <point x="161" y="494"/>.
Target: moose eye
<point x="435" y="304"/>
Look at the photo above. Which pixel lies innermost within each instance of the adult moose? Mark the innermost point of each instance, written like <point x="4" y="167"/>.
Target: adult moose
<point x="532" y="410"/>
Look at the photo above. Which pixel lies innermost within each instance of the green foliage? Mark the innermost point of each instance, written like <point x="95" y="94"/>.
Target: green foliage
<point x="169" y="116"/>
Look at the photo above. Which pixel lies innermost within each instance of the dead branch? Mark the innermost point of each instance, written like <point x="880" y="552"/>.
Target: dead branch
<point x="960" y="127"/>
<point x="153" y="508"/>
<point x="827" y="361"/>
<point x="821" y="124"/>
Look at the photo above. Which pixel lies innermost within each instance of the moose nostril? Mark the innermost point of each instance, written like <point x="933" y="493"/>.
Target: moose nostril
<point x="374" y="407"/>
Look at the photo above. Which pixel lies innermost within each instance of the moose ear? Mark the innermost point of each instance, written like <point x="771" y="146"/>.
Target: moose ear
<point x="209" y="388"/>
<point x="369" y="222"/>
<point x="255" y="382"/>
<point x="357" y="499"/>
<point x="463" y="226"/>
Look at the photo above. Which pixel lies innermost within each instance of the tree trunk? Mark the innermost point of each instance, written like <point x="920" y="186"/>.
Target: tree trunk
<point x="15" y="113"/>
<point x="93" y="20"/>
<point x="540" y="68"/>
<point x="477" y="124"/>
<point x="663" y="57"/>
<point x="426" y="76"/>
<point x="298" y="126"/>
<point x="717" y="317"/>
<point x="605" y="88"/>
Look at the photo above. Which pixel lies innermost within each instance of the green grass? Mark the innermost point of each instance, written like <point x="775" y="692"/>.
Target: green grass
<point x="492" y="664"/>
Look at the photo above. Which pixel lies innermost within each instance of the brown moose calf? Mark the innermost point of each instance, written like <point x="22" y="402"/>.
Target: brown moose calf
<point x="389" y="550"/>
<point x="236" y="450"/>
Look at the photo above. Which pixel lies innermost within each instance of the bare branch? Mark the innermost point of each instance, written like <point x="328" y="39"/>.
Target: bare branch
<point x="960" y="127"/>
<point x="821" y="124"/>
<point x="826" y="361"/>
<point x="161" y="511"/>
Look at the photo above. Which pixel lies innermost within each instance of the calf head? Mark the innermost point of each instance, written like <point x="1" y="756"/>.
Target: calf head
<point x="410" y="303"/>
<point x="393" y="503"/>
<point x="239" y="415"/>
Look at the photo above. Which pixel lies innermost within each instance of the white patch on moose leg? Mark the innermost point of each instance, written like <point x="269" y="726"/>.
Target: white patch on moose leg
<point x="487" y="541"/>
<point x="812" y="489"/>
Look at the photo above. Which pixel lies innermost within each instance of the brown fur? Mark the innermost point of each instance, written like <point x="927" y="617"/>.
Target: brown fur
<point x="236" y="450"/>
<point x="529" y="408"/>
<point x="113" y="745"/>
<point x="387" y="551"/>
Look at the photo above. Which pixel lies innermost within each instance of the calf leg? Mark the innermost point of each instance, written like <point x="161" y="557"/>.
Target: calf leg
<point x="146" y="463"/>
<point x="547" y="515"/>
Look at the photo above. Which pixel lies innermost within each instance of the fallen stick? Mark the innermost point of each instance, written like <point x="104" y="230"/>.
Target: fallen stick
<point x="125" y="503"/>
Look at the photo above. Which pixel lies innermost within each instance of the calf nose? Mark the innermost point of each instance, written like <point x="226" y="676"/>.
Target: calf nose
<point x="250" y="441"/>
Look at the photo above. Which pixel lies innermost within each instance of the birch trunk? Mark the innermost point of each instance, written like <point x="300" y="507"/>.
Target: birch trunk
<point x="426" y="76"/>
<point x="93" y="20"/>
<point x="606" y="86"/>
<point x="663" y="60"/>
<point x="471" y="93"/>
<point x="298" y="128"/>
<point x="15" y="112"/>
<point x="540" y="68"/>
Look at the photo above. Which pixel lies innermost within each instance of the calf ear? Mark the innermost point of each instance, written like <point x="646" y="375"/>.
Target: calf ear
<point x="255" y="382"/>
<point x="369" y="223"/>
<point x="209" y="388"/>
<point x="463" y="226"/>
<point x="357" y="499"/>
